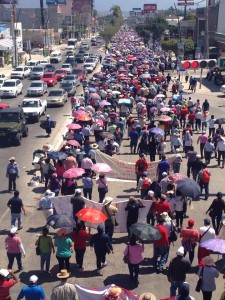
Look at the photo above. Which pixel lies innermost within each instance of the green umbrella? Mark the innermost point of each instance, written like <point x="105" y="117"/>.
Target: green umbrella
<point x="145" y="231"/>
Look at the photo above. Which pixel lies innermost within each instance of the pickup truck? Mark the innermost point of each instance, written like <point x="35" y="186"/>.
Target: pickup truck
<point x="34" y="108"/>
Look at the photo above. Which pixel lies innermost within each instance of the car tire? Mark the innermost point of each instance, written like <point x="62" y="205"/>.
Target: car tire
<point x="37" y="118"/>
<point x="18" y="139"/>
<point x="16" y="95"/>
<point x="25" y="132"/>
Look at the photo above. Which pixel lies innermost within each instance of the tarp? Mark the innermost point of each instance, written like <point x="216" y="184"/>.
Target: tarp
<point x="63" y="206"/>
<point x="126" y="170"/>
<point x="6" y="44"/>
<point x="85" y="293"/>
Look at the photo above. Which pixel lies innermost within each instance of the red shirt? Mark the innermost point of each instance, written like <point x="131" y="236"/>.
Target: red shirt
<point x="191" y="117"/>
<point x="79" y="238"/>
<point x="143" y="163"/>
<point x="163" y="241"/>
<point x="184" y="112"/>
<point x="162" y="206"/>
<point x="5" y="287"/>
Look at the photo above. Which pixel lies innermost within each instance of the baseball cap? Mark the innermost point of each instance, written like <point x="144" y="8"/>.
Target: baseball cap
<point x="4" y="272"/>
<point x="191" y="222"/>
<point x="33" y="279"/>
<point x="13" y="230"/>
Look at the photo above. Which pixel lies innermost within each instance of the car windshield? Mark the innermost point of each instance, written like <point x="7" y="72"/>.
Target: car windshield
<point x="47" y="76"/>
<point x="9" y="83"/>
<point x="77" y="71"/>
<point x="31" y="103"/>
<point x="18" y="69"/>
<point x="66" y="66"/>
<point x="55" y="93"/>
<point x="9" y="117"/>
<point x="59" y="72"/>
<point x="66" y="85"/>
<point x="90" y="60"/>
<point x="37" y="69"/>
<point x="69" y="78"/>
<point x="87" y="65"/>
<point x="36" y="84"/>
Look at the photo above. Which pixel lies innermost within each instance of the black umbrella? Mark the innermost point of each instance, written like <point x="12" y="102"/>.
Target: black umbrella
<point x="145" y="231"/>
<point x="188" y="187"/>
<point x="220" y="121"/>
<point x="61" y="221"/>
<point x="57" y="155"/>
<point x="107" y="135"/>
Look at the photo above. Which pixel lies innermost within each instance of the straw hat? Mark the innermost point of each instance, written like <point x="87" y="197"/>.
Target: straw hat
<point x="12" y="158"/>
<point x="115" y="291"/>
<point x="107" y="200"/>
<point x="147" y="296"/>
<point x="63" y="274"/>
<point x="94" y="146"/>
<point x="208" y="261"/>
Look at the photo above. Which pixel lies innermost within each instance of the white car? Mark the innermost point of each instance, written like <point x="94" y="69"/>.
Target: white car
<point x="89" y="67"/>
<point x="67" y="67"/>
<point x="91" y="61"/>
<point x="222" y="89"/>
<point x="11" y="88"/>
<point x="2" y="80"/>
<point x="34" y="108"/>
<point x="20" y="72"/>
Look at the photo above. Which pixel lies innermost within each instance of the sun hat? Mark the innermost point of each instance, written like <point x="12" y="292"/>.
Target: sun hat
<point x="12" y="158"/>
<point x="61" y="231"/>
<point x="147" y="296"/>
<point x="180" y="251"/>
<point x="165" y="216"/>
<point x="4" y="272"/>
<point x="94" y="146"/>
<point x="33" y="279"/>
<point x="107" y="200"/>
<point x="114" y="291"/>
<point x="208" y="261"/>
<point x="49" y="193"/>
<point x="54" y="175"/>
<point x="63" y="274"/>
<point x="13" y="230"/>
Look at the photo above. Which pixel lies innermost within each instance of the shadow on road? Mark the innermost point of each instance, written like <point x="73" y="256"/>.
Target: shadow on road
<point x="121" y="280"/>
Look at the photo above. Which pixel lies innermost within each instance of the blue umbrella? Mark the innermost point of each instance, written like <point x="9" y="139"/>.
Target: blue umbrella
<point x="92" y="90"/>
<point x="157" y="130"/>
<point x="57" y="155"/>
<point x="61" y="221"/>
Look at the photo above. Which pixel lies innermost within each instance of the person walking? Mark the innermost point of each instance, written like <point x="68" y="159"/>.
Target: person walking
<point x="46" y="246"/>
<point x="78" y="202"/>
<point x="110" y="211"/>
<point x="46" y="205"/>
<point x="190" y="237"/>
<point x="132" y="208"/>
<point x="32" y="291"/>
<point x="220" y="148"/>
<point x="48" y="126"/>
<point x="202" y="140"/>
<point x="54" y="184"/>
<point x="79" y="238"/>
<point x="204" y="179"/>
<point x="206" y="233"/>
<point x="141" y="166"/>
<point x="16" y="206"/>
<point x="208" y="272"/>
<point x="12" y="173"/>
<point x="14" y="249"/>
<point x="64" y="290"/>
<point x="163" y="166"/>
<point x="64" y="249"/>
<point x="87" y="185"/>
<point x="102" y="245"/>
<point x="208" y="149"/>
<point x="6" y="283"/>
<point x="178" y="268"/>
<point x="184" y="292"/>
<point x="134" y="250"/>
<point x="102" y="183"/>
<point x="215" y="210"/>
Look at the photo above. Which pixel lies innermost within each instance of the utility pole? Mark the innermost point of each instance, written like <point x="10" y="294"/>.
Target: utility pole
<point x="14" y="33"/>
<point x="207" y="30"/>
<point x="42" y="14"/>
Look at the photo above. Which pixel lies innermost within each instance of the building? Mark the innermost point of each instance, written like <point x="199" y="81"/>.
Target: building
<point x="135" y="17"/>
<point x="220" y="33"/>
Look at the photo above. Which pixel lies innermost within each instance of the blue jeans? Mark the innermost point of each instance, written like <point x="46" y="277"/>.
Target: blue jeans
<point x="161" y="252"/>
<point x="11" y="257"/>
<point x="174" y="286"/>
<point x="45" y="260"/>
<point x="17" y="217"/>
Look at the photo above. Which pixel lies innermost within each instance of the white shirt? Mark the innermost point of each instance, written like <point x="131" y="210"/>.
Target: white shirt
<point x="220" y="146"/>
<point x="210" y="234"/>
<point x="92" y="154"/>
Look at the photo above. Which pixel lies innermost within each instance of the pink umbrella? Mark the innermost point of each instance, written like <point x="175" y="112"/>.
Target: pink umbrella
<point x="73" y="126"/>
<point x="101" y="168"/>
<point x="95" y="96"/>
<point x="104" y="103"/>
<point x="165" y="109"/>
<point x="79" y="112"/>
<point x="73" y="143"/>
<point x="73" y="173"/>
<point x="175" y="177"/>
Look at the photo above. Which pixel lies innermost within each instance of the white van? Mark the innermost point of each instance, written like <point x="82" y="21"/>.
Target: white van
<point x="33" y="62"/>
<point x="56" y="56"/>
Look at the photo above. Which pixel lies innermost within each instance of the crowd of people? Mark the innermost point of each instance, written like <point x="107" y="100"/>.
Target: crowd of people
<point x="125" y="101"/>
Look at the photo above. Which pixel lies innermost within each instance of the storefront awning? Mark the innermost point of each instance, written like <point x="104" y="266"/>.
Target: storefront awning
<point x="6" y="44"/>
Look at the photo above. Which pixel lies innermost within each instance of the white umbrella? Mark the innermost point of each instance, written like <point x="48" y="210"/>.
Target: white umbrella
<point x="160" y="96"/>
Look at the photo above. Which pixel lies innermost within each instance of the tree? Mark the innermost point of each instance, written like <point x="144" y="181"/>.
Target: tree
<point x="157" y="27"/>
<point x="143" y="32"/>
<point x="172" y="45"/>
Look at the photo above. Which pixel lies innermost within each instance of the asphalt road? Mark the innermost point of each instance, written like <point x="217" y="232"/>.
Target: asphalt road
<point x="36" y="138"/>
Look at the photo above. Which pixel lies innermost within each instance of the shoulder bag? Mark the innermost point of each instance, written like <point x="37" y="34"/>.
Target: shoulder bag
<point x="203" y="234"/>
<point x="126" y="258"/>
<point x="106" y="187"/>
<point x="199" y="283"/>
<point x="38" y="250"/>
<point x="111" y="218"/>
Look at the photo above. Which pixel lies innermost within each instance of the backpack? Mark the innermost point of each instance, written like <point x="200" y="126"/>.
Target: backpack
<point x="141" y="166"/>
<point x="146" y="184"/>
<point x="173" y="233"/>
<point x="205" y="176"/>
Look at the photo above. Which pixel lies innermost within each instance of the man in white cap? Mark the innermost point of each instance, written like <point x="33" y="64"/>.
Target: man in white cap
<point x="178" y="268"/>
<point x="109" y="210"/>
<point x="45" y="204"/>
<point x="6" y="283"/>
<point x="164" y="182"/>
<point x="32" y="291"/>
<point x="12" y="172"/>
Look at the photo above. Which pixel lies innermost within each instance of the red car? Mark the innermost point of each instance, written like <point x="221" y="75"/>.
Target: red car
<point x="60" y="74"/>
<point x="80" y="72"/>
<point x="49" y="78"/>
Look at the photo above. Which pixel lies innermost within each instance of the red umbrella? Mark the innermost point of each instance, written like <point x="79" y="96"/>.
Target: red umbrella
<point x="73" y="126"/>
<point x="73" y="173"/>
<point x="3" y="105"/>
<point x="79" y="112"/>
<point x="73" y="143"/>
<point x="91" y="215"/>
<point x="83" y="118"/>
<point x="101" y="168"/>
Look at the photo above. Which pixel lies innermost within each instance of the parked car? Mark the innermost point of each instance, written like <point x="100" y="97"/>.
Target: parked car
<point x="44" y="61"/>
<point x="34" y="108"/>
<point x="67" y="68"/>
<point x="69" y="87"/>
<point x="11" y="88"/>
<point x="37" y="72"/>
<point x="86" y="55"/>
<point x="49" y="78"/>
<point x="72" y="78"/>
<point x="71" y="60"/>
<point x="80" y="72"/>
<point x="79" y="58"/>
<point x="37" y="88"/>
<point x="57" y="97"/>
<point x="20" y="72"/>
<point x="33" y="62"/>
<point x="60" y="74"/>
<point x="99" y="40"/>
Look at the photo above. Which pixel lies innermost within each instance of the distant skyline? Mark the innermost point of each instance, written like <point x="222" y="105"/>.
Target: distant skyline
<point x="101" y="5"/>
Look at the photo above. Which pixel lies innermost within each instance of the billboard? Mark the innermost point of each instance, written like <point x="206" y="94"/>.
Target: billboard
<point x="8" y="1"/>
<point x="149" y="8"/>
<point x="185" y="3"/>
<point x="55" y="2"/>
<point x="4" y="31"/>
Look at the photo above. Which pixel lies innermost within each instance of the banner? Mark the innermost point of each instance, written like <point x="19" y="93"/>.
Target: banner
<point x="63" y="206"/>
<point x="126" y="170"/>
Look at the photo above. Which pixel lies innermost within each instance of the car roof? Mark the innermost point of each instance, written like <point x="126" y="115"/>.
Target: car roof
<point x="11" y="80"/>
<point x="61" y="90"/>
<point x="39" y="81"/>
<point x="31" y="99"/>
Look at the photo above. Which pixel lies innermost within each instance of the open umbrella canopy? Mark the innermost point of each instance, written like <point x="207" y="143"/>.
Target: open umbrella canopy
<point x="215" y="245"/>
<point x="104" y="103"/>
<point x="73" y="126"/>
<point x="101" y="168"/>
<point x="83" y="118"/>
<point x="73" y="173"/>
<point x="57" y="155"/>
<point x="157" y="130"/>
<point x="145" y="231"/>
<point x="91" y="215"/>
<point x="165" y="109"/>
<point x="220" y="121"/>
<point x="59" y="221"/>
<point x="92" y="90"/>
<point x="95" y="96"/>
<point x="164" y="118"/>
<point x="79" y="112"/>
<point x="175" y="177"/>
<point x="3" y="105"/>
<point x="188" y="187"/>
<point x="160" y="96"/>
<point x="145" y="75"/>
<point x="73" y="143"/>
<point x="106" y="135"/>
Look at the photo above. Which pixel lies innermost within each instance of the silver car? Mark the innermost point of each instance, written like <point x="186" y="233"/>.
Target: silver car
<point x="57" y="97"/>
<point x="72" y="78"/>
<point x="37" y="72"/>
<point x="37" y="88"/>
